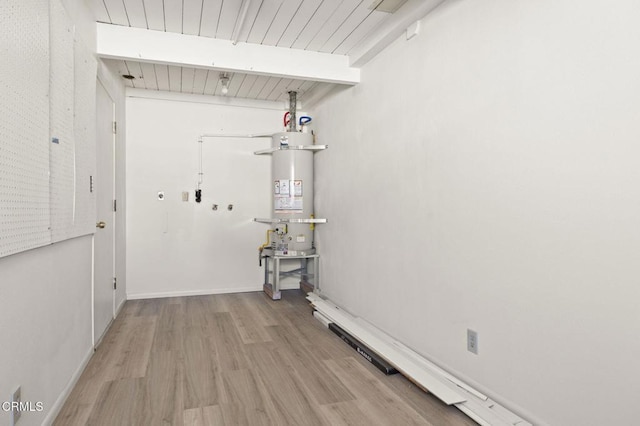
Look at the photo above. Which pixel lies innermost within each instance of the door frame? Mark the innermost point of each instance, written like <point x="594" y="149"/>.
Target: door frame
<point x="111" y="222"/>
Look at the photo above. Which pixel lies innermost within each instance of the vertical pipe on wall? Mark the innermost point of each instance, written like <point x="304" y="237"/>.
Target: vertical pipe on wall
<point x="292" y="110"/>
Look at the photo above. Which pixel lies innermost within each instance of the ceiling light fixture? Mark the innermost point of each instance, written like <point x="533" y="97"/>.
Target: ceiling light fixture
<point x="224" y="81"/>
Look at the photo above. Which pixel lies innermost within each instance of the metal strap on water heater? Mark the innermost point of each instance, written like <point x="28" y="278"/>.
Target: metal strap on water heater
<point x="262" y="220"/>
<point x="291" y="148"/>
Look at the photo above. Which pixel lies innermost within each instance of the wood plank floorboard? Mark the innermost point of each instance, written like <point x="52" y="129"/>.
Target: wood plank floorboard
<point x="321" y="383"/>
<point x="238" y="359"/>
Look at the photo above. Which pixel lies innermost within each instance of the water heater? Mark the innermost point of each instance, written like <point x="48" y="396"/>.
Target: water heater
<point x="292" y="218"/>
<point x="292" y="192"/>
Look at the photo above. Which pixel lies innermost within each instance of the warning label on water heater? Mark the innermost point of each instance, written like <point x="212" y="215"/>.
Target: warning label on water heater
<point x="287" y="196"/>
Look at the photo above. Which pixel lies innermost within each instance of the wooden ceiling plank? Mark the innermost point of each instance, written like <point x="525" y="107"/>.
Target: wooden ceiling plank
<point x="235" y="82"/>
<point x="117" y="12"/>
<point x="252" y="15"/>
<point x="149" y="76"/>
<point x="100" y="11"/>
<point x="281" y="21"/>
<point x="211" y="82"/>
<point x="306" y="12"/>
<point x="366" y="27"/>
<point x="294" y="85"/>
<point x="353" y="21"/>
<point x="135" y="13"/>
<point x="243" y="92"/>
<point x="173" y="16"/>
<point x="306" y="86"/>
<point x="317" y="21"/>
<point x="210" y="17"/>
<point x="121" y="67"/>
<point x="267" y="13"/>
<point x="162" y="76"/>
<point x="175" y="79"/>
<point x="187" y="79"/>
<point x="341" y="15"/>
<point x="268" y="87"/>
<point x="199" y="81"/>
<point x="154" y="10"/>
<point x="315" y="94"/>
<point x="136" y="71"/>
<point x="228" y="19"/>
<point x="279" y="90"/>
<point x="192" y="16"/>
<point x="301" y="87"/>
<point x="257" y="86"/>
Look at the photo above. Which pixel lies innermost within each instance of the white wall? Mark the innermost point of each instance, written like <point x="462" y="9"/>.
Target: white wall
<point x="45" y="312"/>
<point x="45" y="301"/>
<point x="182" y="248"/>
<point x="484" y="175"/>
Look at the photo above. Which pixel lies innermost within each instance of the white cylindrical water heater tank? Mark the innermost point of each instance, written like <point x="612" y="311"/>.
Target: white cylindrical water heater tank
<point x="292" y="174"/>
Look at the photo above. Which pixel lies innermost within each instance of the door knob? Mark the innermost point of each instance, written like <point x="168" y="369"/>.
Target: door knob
<point x="101" y="225"/>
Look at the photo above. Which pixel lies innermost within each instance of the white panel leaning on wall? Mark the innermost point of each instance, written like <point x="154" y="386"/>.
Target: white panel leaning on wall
<point x="61" y="111"/>
<point x="24" y="126"/>
<point x="72" y="147"/>
<point x="85" y="146"/>
<point x="47" y="128"/>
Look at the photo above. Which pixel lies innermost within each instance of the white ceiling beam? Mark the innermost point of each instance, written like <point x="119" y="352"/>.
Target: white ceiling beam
<point x="204" y="99"/>
<point x="390" y="30"/>
<point x="142" y="45"/>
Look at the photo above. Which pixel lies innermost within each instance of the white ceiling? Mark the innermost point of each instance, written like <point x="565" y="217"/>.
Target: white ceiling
<point x="337" y="27"/>
<point x="207" y="82"/>
<point x="331" y="26"/>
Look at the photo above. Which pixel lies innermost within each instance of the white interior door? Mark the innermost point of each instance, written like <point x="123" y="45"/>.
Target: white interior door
<point x="104" y="266"/>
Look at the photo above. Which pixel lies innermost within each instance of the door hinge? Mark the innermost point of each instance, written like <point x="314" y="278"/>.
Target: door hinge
<point x="115" y="207"/>
<point x="115" y="283"/>
<point x="115" y="127"/>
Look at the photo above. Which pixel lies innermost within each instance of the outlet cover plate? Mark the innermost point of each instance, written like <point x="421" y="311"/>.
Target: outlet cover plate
<point x="472" y="341"/>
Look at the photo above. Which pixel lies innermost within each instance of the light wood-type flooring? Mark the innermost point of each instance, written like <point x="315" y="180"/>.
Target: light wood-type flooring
<point x="238" y="359"/>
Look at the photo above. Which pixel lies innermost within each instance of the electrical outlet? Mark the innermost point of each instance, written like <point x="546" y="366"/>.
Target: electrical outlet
<point x="472" y="341"/>
<point x="16" y="399"/>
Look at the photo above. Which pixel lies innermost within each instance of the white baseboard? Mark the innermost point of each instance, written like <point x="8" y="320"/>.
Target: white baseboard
<point x="57" y="406"/>
<point x="202" y="292"/>
<point x="120" y="306"/>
